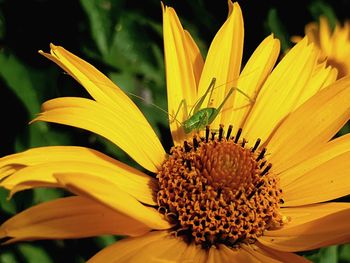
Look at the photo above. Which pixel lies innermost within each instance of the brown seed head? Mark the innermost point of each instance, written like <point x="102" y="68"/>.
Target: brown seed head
<point x="219" y="191"/>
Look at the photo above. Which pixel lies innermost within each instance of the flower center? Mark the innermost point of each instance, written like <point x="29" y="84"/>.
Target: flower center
<point x="218" y="190"/>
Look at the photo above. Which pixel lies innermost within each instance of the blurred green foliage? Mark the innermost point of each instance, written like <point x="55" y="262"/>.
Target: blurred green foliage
<point x="124" y="41"/>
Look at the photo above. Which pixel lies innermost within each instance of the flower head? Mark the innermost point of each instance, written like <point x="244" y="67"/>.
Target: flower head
<point x="333" y="44"/>
<point x="253" y="185"/>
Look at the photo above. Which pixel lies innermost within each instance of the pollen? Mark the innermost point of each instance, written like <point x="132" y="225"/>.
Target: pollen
<point x="219" y="190"/>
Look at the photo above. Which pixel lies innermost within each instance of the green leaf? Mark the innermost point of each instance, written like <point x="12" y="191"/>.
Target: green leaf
<point x="7" y="206"/>
<point x="7" y="257"/>
<point x="30" y="86"/>
<point x="46" y="194"/>
<point x="104" y="241"/>
<point x="329" y="254"/>
<point x="275" y="25"/>
<point x="344" y="253"/>
<point x="19" y="80"/>
<point x="344" y="130"/>
<point x="133" y="49"/>
<point x="39" y="134"/>
<point x="101" y="20"/>
<point x="34" y="254"/>
<point x="321" y="8"/>
<point x="125" y="80"/>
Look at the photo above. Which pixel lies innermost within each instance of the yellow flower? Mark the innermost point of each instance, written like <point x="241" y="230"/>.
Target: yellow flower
<point x="334" y="46"/>
<point x="253" y="192"/>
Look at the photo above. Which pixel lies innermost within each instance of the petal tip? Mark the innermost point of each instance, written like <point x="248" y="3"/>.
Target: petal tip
<point x="162" y="6"/>
<point x="236" y="6"/>
<point x="37" y="118"/>
<point x="53" y="46"/>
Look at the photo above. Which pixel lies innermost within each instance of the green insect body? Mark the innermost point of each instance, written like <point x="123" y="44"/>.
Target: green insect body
<point x="202" y="117"/>
<point x="199" y="120"/>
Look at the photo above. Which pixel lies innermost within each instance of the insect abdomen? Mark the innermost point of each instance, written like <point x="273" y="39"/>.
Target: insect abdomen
<point x="199" y="120"/>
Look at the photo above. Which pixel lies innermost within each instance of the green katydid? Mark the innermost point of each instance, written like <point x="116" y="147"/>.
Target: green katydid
<point x="200" y="118"/>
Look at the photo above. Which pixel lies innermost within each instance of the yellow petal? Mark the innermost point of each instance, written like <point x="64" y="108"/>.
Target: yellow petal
<point x="222" y="253"/>
<point x="330" y="78"/>
<point x="328" y="230"/>
<point x="41" y="155"/>
<point x="110" y="96"/>
<point x="321" y="78"/>
<point x="312" y="32"/>
<point x="323" y="153"/>
<point x="280" y="255"/>
<point x="252" y="77"/>
<point x="304" y="214"/>
<point x="325" y="36"/>
<point x="166" y="249"/>
<point x="280" y="93"/>
<point x="257" y="255"/>
<point x="340" y="41"/>
<point x="122" y="250"/>
<point x="194" y="253"/>
<point x="71" y="217"/>
<point x="195" y="57"/>
<point x="130" y="180"/>
<point x="325" y="182"/>
<point x="181" y="70"/>
<point x="236" y="255"/>
<point x="39" y="159"/>
<point x="127" y="133"/>
<point x="223" y="62"/>
<point x="102" y="89"/>
<point x="296" y="39"/>
<point x="215" y="255"/>
<point x="109" y="194"/>
<point x="314" y="123"/>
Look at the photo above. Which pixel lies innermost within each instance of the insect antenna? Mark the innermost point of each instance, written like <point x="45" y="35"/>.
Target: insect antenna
<point x="154" y="105"/>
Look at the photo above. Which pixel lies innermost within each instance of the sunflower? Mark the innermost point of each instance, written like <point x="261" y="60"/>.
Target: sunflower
<point x="333" y="44"/>
<point x="255" y="186"/>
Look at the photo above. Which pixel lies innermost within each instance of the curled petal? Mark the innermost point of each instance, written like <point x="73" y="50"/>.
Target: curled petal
<point x="114" y="125"/>
<point x="110" y="96"/>
<point x="110" y="195"/>
<point x="71" y="217"/>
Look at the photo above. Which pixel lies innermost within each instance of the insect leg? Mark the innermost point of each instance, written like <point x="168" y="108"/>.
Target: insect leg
<point x="245" y="95"/>
<point x="211" y="93"/>
<point x="201" y="100"/>
<point x="225" y="99"/>
<point x="182" y="104"/>
<point x="242" y="107"/>
<point x="216" y="112"/>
